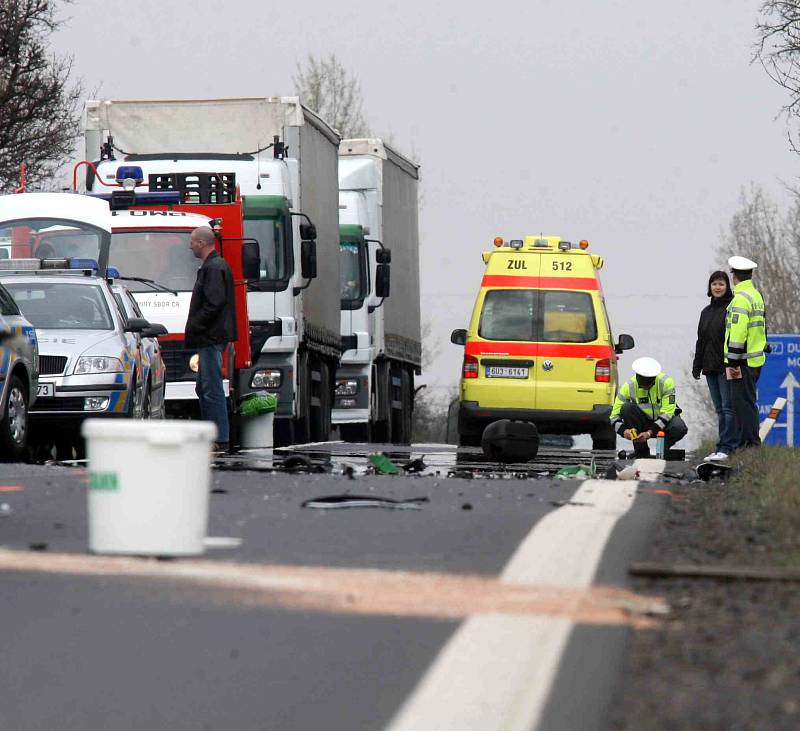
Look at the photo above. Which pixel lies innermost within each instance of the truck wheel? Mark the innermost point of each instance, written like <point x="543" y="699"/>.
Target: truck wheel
<point x="401" y="418"/>
<point x="354" y="432"/>
<point x="14" y="424"/>
<point x="321" y="423"/>
<point x="604" y="438"/>
<point x="302" y="421"/>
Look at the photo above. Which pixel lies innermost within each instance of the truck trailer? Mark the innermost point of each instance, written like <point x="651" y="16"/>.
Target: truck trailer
<point x="283" y="159"/>
<point x="381" y="339"/>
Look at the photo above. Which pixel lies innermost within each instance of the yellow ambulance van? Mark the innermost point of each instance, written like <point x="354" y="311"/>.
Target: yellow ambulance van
<point x="539" y="346"/>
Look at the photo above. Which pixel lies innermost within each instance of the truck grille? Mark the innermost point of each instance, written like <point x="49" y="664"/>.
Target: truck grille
<point x="176" y="359"/>
<point x="52" y="365"/>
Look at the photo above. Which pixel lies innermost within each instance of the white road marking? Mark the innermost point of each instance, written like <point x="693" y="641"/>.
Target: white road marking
<point x="496" y="672"/>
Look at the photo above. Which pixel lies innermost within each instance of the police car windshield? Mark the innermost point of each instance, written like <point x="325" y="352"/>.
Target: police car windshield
<point x="62" y="305"/>
<point x="46" y="238"/>
<point x="161" y="256"/>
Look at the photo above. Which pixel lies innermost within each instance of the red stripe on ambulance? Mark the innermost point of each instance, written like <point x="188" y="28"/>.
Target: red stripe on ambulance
<point x="503" y="280"/>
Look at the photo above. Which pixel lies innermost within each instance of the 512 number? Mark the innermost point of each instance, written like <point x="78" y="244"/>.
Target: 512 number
<point x="564" y="266"/>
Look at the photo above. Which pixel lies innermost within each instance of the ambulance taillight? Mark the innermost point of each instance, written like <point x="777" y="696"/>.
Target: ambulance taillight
<point x="470" y="369"/>
<point x="602" y="370"/>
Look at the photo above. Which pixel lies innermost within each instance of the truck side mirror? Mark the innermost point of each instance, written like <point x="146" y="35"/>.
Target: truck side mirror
<point x="625" y="343"/>
<point x="251" y="260"/>
<point x="383" y="256"/>
<point x="308" y="259"/>
<point x="308" y="231"/>
<point x="382" y="280"/>
<point x="458" y="337"/>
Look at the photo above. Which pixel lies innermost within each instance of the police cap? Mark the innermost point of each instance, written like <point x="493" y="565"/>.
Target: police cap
<point x="647" y="367"/>
<point x="741" y="263"/>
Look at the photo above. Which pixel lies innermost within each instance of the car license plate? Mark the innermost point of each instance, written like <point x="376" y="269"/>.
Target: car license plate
<point x="506" y="372"/>
<point x="46" y="389"/>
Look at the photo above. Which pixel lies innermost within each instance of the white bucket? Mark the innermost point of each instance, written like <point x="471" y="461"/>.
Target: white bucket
<point x="257" y="431"/>
<point x="149" y="483"/>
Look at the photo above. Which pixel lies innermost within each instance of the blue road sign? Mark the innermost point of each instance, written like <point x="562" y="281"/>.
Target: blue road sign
<point x="780" y="376"/>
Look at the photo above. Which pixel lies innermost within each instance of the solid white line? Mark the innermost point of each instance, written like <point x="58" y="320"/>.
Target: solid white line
<point x="496" y="672"/>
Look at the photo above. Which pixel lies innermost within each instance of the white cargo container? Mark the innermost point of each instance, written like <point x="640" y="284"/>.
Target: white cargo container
<point x="284" y="159"/>
<point x="379" y="232"/>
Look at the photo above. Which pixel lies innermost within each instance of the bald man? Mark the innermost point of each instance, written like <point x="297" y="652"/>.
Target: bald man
<point x="210" y="326"/>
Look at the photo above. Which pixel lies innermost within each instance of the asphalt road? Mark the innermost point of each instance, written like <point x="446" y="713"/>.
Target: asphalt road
<point x="312" y="626"/>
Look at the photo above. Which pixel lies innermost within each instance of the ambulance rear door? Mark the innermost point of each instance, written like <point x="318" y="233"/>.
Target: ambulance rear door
<point x="504" y="340"/>
<point x="574" y="350"/>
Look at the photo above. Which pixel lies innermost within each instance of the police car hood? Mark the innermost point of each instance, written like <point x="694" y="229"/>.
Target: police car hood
<point x="78" y="342"/>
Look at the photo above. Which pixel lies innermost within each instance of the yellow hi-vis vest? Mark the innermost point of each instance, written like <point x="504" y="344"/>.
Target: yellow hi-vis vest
<point x="745" y="327"/>
<point x="658" y="403"/>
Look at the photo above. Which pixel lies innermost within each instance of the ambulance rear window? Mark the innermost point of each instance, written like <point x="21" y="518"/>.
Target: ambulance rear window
<point x="568" y="317"/>
<point x="508" y="314"/>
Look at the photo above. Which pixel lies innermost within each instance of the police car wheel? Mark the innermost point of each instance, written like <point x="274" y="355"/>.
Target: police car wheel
<point x="14" y="424"/>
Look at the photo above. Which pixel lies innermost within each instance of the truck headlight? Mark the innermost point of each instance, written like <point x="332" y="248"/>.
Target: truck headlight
<point x="346" y="386"/>
<point x="266" y="379"/>
<point x="97" y="364"/>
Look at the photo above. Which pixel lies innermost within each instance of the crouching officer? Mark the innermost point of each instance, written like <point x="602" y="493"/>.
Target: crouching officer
<point x="646" y="405"/>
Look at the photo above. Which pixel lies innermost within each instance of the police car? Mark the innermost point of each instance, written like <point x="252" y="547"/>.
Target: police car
<point x="94" y="359"/>
<point x="19" y="376"/>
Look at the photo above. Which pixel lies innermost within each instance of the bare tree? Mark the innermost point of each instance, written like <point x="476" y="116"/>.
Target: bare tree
<point x="39" y="106"/>
<point x="759" y="231"/>
<point x="334" y="93"/>
<point x="778" y="50"/>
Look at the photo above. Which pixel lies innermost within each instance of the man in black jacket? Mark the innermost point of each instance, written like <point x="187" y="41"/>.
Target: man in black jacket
<point x="210" y="326"/>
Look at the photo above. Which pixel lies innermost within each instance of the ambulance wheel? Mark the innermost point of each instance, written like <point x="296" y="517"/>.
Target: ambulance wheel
<point x="469" y="440"/>
<point x="604" y="438"/>
<point x="14" y="424"/>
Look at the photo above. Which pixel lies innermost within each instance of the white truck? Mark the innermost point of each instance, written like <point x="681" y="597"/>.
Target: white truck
<point x="283" y="159"/>
<point x="379" y="234"/>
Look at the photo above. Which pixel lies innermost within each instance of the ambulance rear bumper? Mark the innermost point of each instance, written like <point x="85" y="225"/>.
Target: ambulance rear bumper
<point x="473" y="419"/>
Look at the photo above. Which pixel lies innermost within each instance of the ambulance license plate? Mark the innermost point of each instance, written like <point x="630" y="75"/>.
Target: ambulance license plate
<point x="506" y="372"/>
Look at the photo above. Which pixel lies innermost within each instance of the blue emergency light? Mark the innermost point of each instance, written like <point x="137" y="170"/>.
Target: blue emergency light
<point x="130" y="172"/>
<point x="81" y="264"/>
<point x="112" y="273"/>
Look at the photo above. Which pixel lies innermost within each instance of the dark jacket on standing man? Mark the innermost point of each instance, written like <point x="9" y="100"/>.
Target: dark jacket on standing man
<point x="710" y="347"/>
<point x="211" y="319"/>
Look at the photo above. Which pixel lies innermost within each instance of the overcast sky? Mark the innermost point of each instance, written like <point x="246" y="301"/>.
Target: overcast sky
<point x="630" y="123"/>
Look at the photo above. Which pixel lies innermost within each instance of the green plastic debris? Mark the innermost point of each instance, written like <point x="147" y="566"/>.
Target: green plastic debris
<point x="255" y="404"/>
<point x="383" y="465"/>
<point x="576" y="472"/>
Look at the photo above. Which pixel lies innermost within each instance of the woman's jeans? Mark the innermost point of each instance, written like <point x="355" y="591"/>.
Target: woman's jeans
<point x="209" y="389"/>
<point x="720" y="391"/>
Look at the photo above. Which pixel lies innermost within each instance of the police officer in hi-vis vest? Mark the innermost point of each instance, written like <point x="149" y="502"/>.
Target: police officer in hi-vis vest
<point x="745" y="344"/>
<point x="646" y="405"/>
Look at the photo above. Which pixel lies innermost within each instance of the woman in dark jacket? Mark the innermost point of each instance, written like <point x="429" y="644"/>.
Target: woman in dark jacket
<point x="709" y="360"/>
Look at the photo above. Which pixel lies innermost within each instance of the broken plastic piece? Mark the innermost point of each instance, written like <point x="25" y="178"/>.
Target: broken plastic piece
<point x="415" y="465"/>
<point x="364" y="501"/>
<point x="574" y="472"/>
<point x="383" y="465"/>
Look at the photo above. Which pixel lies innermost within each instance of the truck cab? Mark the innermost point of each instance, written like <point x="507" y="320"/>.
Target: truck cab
<point x="539" y="346"/>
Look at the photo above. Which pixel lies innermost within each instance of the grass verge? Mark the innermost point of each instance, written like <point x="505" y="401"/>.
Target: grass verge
<point x="765" y="496"/>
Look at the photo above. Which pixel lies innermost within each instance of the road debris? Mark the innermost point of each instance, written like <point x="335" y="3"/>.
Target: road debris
<point x="383" y="465"/>
<point x="574" y="472"/>
<point x="620" y="471"/>
<point x="707" y="471"/>
<point x="508" y="440"/>
<point x="364" y="501"/>
<point x="415" y="465"/>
